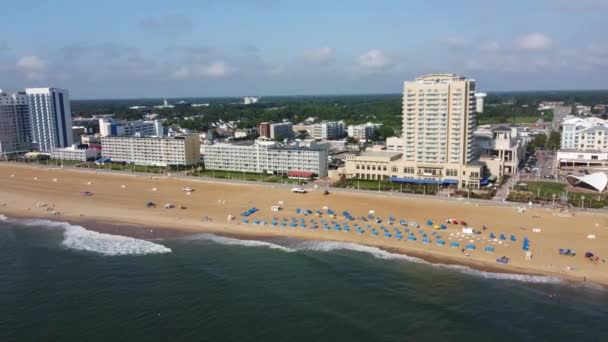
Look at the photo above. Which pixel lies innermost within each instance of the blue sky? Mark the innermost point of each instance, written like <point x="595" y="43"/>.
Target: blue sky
<point x="109" y="49"/>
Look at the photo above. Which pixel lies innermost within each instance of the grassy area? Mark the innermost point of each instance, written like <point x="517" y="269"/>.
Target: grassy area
<point x="248" y="176"/>
<point x="365" y="184"/>
<point x="544" y="191"/>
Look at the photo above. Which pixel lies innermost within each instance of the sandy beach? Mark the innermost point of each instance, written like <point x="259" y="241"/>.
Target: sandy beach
<point x="118" y="205"/>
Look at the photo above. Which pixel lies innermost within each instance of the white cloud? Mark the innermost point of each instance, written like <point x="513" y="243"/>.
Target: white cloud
<point x="534" y="41"/>
<point x="213" y="70"/>
<point x="33" y="67"/>
<point x="373" y="60"/>
<point x="318" y="56"/>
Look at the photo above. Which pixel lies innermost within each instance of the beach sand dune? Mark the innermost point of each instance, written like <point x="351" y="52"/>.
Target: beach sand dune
<point x="121" y="199"/>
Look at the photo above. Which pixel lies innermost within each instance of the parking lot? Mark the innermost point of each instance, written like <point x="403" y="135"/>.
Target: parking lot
<point x="541" y="166"/>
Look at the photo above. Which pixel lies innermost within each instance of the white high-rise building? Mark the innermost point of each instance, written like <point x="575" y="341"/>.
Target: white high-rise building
<point x="50" y="117"/>
<point x="438" y="142"/>
<point x="14" y="123"/>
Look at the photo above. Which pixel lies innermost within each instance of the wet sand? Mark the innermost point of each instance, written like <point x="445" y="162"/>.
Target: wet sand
<point x="121" y="210"/>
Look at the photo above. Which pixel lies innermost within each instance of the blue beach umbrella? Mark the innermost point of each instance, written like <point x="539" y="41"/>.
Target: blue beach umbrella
<point x="471" y="246"/>
<point x="455" y="244"/>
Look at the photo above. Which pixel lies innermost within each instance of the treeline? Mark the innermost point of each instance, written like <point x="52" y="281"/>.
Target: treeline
<point x="514" y="107"/>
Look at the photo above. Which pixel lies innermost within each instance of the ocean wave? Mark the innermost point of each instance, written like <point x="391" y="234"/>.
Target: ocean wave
<point x="79" y="238"/>
<point x="237" y="242"/>
<point x="328" y="246"/>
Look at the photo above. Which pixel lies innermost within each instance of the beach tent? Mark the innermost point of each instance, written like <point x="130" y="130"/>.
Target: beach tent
<point x="471" y="246"/>
<point x="443" y="227"/>
<point x="492" y="236"/>
<point x="489" y="249"/>
<point x="440" y="242"/>
<point x="245" y="221"/>
<point x="455" y="244"/>
<point x="411" y="238"/>
<point x="503" y="237"/>
<point x="426" y="240"/>
<point x="513" y="238"/>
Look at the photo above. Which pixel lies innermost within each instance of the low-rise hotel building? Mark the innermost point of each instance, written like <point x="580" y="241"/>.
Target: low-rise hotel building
<point x="153" y="151"/>
<point x="74" y="153"/>
<point x="266" y="157"/>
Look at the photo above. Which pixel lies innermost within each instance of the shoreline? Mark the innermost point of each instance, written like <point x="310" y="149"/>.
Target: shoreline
<point x="154" y="233"/>
<point x="119" y="209"/>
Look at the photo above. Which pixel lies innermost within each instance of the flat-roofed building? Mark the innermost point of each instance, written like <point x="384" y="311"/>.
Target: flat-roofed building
<point x="266" y="157"/>
<point x="15" y="129"/>
<point x="74" y="153"/>
<point x="155" y="151"/>
<point x="328" y="130"/>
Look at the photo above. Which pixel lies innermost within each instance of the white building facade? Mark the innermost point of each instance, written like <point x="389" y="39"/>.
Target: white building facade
<point x="50" y="118"/>
<point x="74" y="153"/>
<point x="153" y="151"/>
<point x="362" y="132"/>
<point x="265" y="157"/>
<point x="109" y="127"/>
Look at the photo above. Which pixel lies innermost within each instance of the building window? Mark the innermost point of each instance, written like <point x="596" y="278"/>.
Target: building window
<point x="394" y="169"/>
<point x="384" y="168"/>
<point x="451" y="172"/>
<point x="358" y="166"/>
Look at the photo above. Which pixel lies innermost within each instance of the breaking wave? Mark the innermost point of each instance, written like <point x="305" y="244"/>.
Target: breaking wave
<point x="238" y="242"/>
<point x="328" y="246"/>
<point x="79" y="238"/>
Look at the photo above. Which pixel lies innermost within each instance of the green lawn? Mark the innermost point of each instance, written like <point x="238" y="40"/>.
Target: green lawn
<point x="545" y="189"/>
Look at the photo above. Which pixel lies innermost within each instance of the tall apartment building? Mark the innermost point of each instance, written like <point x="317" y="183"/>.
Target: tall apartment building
<point x="438" y="125"/>
<point x="109" y="127"/>
<point x="50" y="118"/>
<point x="283" y="130"/>
<point x="328" y="130"/>
<point x="155" y="151"/>
<point x="15" y="130"/>
<point x="265" y="157"/>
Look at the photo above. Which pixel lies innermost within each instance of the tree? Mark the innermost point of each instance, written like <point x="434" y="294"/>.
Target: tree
<point x="554" y="140"/>
<point x="385" y="132"/>
<point x="302" y="134"/>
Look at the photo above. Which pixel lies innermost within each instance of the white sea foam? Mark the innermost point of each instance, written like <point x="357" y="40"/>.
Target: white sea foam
<point x="82" y="239"/>
<point x="328" y="246"/>
<point x="237" y="242"/>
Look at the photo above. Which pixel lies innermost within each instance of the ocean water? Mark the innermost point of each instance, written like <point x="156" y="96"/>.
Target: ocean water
<point x="60" y="282"/>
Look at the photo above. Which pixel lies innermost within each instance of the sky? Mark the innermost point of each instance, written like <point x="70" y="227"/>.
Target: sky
<point x="160" y="48"/>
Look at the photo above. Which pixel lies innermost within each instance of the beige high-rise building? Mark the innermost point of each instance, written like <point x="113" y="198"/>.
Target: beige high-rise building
<point x="438" y="142"/>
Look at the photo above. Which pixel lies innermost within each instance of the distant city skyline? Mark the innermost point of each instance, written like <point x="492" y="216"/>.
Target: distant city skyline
<point x="158" y="49"/>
